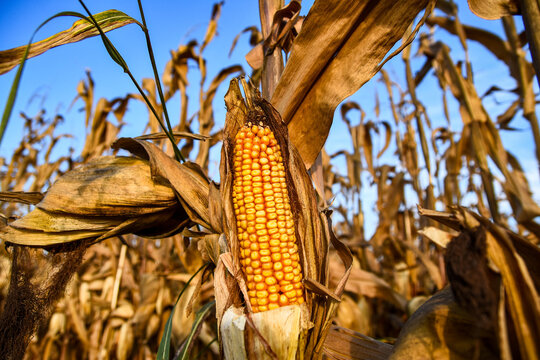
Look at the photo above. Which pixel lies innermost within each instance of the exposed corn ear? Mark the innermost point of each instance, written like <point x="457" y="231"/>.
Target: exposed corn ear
<point x="265" y="225"/>
<point x="276" y="252"/>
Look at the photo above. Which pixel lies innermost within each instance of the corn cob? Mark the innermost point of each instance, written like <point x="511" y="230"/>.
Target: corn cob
<point x="265" y="226"/>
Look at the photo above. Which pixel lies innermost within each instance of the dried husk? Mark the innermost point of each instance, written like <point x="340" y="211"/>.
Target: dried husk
<point x="313" y="232"/>
<point x="152" y="196"/>
<point x="282" y="330"/>
<point x="362" y="282"/>
<point x="492" y="307"/>
<point x="125" y="342"/>
<point x="345" y="344"/>
<point x="494" y="9"/>
<point x="441" y="329"/>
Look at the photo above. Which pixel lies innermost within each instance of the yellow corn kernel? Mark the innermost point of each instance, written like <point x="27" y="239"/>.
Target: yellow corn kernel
<point x="290" y="294"/>
<point x="287" y="288"/>
<point x="260" y="286"/>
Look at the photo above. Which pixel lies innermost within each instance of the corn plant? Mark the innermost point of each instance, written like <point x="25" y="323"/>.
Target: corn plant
<point x="279" y="259"/>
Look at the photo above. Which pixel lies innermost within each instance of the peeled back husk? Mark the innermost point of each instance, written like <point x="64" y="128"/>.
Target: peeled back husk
<point x="282" y="330"/>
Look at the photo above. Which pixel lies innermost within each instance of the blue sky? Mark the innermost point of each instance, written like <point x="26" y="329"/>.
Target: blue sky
<point x="50" y="80"/>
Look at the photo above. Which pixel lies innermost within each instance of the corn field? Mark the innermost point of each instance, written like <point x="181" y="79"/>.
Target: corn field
<point x="361" y="199"/>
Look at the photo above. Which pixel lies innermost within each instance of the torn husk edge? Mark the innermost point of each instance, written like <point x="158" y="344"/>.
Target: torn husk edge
<point x="274" y="333"/>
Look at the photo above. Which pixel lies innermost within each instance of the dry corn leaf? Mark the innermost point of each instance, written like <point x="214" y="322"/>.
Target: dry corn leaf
<point x="80" y="30"/>
<point x="365" y="283"/>
<point x="494" y="274"/>
<point x="112" y="196"/>
<point x="209" y="248"/>
<point x="494" y="9"/>
<point x="522" y="300"/>
<point x="103" y="132"/>
<point x="187" y="179"/>
<point x="438" y="236"/>
<point x="210" y="32"/>
<point x="283" y="27"/>
<point x="255" y="57"/>
<point x="125" y="342"/>
<point x="206" y="112"/>
<point x="175" y="79"/>
<point x="339" y="48"/>
<point x="40" y="220"/>
<point x="150" y="88"/>
<point x="481" y="139"/>
<point x="345" y="344"/>
<point x="78" y="323"/>
<point x="224" y="283"/>
<point x="85" y="92"/>
<point x="255" y="38"/>
<point x="355" y="315"/>
<point x="183" y="317"/>
<point x="212" y="25"/>
<point x="106" y="197"/>
<point x="491" y="41"/>
<point x="22" y="197"/>
<point x="433" y="269"/>
<point x="108" y="186"/>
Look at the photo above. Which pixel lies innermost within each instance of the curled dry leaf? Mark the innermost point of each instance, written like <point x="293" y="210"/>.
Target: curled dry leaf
<point x="313" y="231"/>
<point x="22" y="197"/>
<point x="99" y="199"/>
<point x="255" y="57"/>
<point x="254" y="38"/>
<point x="494" y="9"/>
<point x="109" y="186"/>
<point x="491" y="41"/>
<point x="284" y="27"/>
<point x="110" y="196"/>
<point x="80" y="30"/>
<point x="339" y="48"/>
<point x="187" y="179"/>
